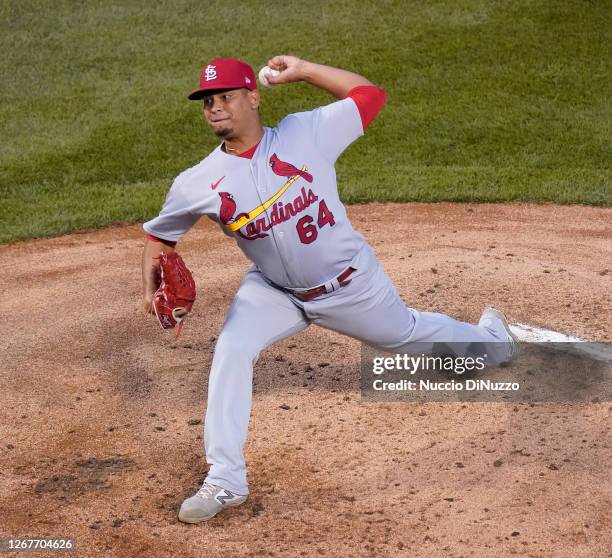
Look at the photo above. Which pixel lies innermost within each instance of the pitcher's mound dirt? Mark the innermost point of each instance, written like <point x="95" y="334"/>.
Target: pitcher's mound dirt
<point x="101" y="433"/>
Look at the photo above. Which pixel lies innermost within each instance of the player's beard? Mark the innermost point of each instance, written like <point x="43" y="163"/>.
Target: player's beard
<point x="225" y="133"/>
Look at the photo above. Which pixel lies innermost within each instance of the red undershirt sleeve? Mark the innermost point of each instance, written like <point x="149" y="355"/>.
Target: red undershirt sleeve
<point x="155" y="239"/>
<point x="369" y="99"/>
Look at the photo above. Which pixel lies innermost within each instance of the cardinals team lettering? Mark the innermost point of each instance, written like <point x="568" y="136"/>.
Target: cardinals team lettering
<point x="251" y="227"/>
<point x="279" y="214"/>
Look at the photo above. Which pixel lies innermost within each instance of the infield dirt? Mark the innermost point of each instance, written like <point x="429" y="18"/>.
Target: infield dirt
<point x="101" y="417"/>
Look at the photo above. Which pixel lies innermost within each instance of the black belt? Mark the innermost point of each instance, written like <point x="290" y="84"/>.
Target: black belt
<point x="313" y="293"/>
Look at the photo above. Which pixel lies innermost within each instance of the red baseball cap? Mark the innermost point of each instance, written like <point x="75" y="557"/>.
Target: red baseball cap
<point x="224" y="73"/>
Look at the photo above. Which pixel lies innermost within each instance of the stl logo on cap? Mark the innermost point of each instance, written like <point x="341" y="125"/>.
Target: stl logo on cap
<point x="210" y="72"/>
<point x="224" y="73"/>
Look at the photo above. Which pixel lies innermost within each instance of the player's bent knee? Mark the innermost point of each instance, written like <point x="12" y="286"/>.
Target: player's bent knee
<point x="236" y="347"/>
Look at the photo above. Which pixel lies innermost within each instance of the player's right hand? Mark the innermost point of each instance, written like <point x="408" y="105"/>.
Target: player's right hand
<point x="291" y="69"/>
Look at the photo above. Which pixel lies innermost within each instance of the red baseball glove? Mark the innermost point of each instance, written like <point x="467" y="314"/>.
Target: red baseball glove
<point x="176" y="293"/>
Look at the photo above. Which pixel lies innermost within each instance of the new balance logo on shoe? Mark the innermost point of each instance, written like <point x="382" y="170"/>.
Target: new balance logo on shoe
<point x="223" y="498"/>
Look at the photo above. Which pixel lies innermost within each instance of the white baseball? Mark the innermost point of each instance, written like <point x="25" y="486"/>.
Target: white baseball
<point x="265" y="73"/>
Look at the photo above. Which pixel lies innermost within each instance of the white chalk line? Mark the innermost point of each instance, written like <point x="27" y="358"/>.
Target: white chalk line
<point x="532" y="334"/>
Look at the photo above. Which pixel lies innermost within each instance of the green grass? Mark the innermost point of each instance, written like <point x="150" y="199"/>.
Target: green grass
<point x="488" y="101"/>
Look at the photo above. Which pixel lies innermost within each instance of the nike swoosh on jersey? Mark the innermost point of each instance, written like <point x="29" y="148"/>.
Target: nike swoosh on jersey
<point x="213" y="186"/>
<point x="233" y="227"/>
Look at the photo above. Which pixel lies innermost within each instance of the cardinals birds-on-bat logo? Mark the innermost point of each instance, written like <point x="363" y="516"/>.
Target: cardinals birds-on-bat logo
<point x="228" y="207"/>
<point x="227" y="210"/>
<point x="228" y="204"/>
<point x="287" y="169"/>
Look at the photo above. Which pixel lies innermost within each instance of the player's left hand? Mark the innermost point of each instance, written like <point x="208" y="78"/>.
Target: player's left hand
<point x="176" y="293"/>
<point x="290" y="68"/>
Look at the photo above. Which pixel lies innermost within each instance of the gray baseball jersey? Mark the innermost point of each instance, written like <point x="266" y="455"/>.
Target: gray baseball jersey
<point x="282" y="205"/>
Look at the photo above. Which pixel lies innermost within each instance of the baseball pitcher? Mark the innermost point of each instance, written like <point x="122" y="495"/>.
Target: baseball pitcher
<point x="274" y="190"/>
